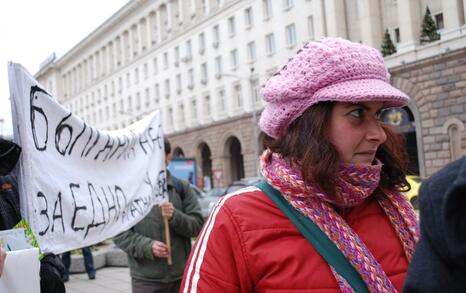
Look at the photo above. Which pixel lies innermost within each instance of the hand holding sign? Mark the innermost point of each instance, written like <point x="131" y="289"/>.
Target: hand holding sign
<point x="167" y="210"/>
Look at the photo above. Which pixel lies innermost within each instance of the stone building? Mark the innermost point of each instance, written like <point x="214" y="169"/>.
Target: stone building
<point x="201" y="62"/>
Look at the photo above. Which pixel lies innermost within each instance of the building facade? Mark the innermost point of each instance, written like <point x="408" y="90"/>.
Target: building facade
<point x="201" y="62"/>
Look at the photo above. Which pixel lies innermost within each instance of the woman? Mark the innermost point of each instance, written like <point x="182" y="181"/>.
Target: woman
<point x="332" y="161"/>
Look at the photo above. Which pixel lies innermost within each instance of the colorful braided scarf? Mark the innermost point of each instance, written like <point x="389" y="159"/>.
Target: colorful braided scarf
<point x="354" y="183"/>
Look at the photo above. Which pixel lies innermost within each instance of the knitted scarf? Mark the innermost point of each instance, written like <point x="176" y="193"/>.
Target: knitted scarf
<point x="354" y="183"/>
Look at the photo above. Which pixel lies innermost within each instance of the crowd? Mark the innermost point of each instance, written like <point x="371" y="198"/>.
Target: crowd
<point x="330" y="214"/>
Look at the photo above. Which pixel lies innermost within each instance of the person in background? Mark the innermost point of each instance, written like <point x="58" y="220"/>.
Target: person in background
<point x="145" y="242"/>
<point x="51" y="267"/>
<point x="439" y="261"/>
<point x="330" y="167"/>
<point x="88" y="263"/>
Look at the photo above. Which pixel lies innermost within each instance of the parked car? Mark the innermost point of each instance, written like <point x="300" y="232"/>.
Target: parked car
<point x="201" y="197"/>
<point x="413" y="193"/>
<point x="243" y="182"/>
<point x="209" y="200"/>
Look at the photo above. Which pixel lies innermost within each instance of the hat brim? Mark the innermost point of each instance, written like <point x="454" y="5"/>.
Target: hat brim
<point x="351" y="91"/>
<point x="363" y="90"/>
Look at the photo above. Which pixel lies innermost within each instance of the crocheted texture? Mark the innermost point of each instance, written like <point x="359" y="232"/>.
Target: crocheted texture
<point x="332" y="69"/>
<point x="283" y="175"/>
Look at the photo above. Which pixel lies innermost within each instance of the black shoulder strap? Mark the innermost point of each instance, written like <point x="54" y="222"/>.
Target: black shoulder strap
<point x="326" y="248"/>
<point x="178" y="187"/>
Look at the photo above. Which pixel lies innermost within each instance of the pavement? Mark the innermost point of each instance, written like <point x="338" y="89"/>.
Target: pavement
<point x="107" y="280"/>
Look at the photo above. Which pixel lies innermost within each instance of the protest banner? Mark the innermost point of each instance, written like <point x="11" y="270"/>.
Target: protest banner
<point x="79" y="185"/>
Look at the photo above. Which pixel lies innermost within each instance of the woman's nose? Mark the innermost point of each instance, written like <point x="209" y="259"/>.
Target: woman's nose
<point x="375" y="132"/>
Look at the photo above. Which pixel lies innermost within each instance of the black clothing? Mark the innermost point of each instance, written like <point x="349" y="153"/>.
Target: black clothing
<point x="9" y="155"/>
<point x="10" y="213"/>
<point x="439" y="261"/>
<point x="51" y="267"/>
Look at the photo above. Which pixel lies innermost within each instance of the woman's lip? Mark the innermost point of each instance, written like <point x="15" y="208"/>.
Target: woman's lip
<point x="371" y="153"/>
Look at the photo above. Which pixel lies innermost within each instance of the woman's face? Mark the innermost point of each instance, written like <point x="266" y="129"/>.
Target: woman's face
<point x="355" y="131"/>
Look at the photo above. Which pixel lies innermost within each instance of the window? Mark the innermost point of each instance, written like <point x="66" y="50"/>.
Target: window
<point x="177" y="55"/>
<point x="130" y="103"/>
<point x="204" y="73"/>
<point x="201" y="43"/>
<point x="147" y="102"/>
<point x="128" y="80"/>
<point x="146" y="71"/>
<point x="170" y="117"/>
<point x="112" y="88"/>
<point x="167" y="88"/>
<point x="207" y="106"/>
<point x="222" y="107"/>
<point x="165" y="60"/>
<point x="270" y="44"/>
<point x="136" y="75"/>
<point x="193" y="109"/>
<point x="290" y="32"/>
<point x="267" y="8"/>
<point x="248" y="18"/>
<point x="178" y="83"/>
<point x="155" y="64"/>
<point x="251" y="51"/>
<point x="215" y="36"/>
<point x="397" y="35"/>
<point x="287" y="4"/>
<point x="157" y="93"/>
<point x="191" y="78"/>
<point x="138" y="101"/>
<point x="439" y="21"/>
<point x="310" y="27"/>
<point x="181" y="114"/>
<point x="234" y="59"/>
<point x="218" y="67"/>
<point x="189" y="50"/>
<point x="238" y="95"/>
<point x="231" y="26"/>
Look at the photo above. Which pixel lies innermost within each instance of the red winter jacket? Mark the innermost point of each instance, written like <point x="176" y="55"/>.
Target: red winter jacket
<point x="248" y="245"/>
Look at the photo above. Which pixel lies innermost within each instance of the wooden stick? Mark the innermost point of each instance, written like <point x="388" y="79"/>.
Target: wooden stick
<point x="167" y="239"/>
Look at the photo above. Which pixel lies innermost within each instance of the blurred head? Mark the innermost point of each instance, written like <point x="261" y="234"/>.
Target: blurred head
<point x="9" y="155"/>
<point x="168" y="150"/>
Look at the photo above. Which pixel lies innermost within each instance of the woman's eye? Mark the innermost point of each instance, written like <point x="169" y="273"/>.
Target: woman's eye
<point x="357" y="113"/>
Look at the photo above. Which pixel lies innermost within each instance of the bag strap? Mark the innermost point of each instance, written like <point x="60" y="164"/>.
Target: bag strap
<point x="326" y="248"/>
<point x="178" y="187"/>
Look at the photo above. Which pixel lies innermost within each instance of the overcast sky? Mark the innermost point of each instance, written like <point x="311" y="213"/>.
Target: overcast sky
<point x="31" y="30"/>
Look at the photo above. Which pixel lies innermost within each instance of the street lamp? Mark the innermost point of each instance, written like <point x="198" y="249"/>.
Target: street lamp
<point x="254" y="122"/>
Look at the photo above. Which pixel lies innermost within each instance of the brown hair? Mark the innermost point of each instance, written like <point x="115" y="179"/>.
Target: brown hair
<point x="307" y="141"/>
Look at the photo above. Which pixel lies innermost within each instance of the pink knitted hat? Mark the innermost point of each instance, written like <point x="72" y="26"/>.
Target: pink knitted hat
<point x="332" y="69"/>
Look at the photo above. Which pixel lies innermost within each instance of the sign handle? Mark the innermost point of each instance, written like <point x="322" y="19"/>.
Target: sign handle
<point x="168" y="242"/>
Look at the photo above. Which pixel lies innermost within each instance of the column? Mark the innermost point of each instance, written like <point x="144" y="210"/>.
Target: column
<point x="409" y="19"/>
<point x="144" y="35"/>
<point x="169" y="15"/>
<point x="335" y="15"/>
<point x="452" y="11"/>
<point x="371" y="23"/>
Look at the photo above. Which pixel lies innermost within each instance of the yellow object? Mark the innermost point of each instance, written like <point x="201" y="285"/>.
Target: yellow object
<point x="415" y="182"/>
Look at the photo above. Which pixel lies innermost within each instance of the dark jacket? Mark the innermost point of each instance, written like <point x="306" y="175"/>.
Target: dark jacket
<point x="137" y="242"/>
<point x="51" y="267"/>
<point x="439" y="262"/>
